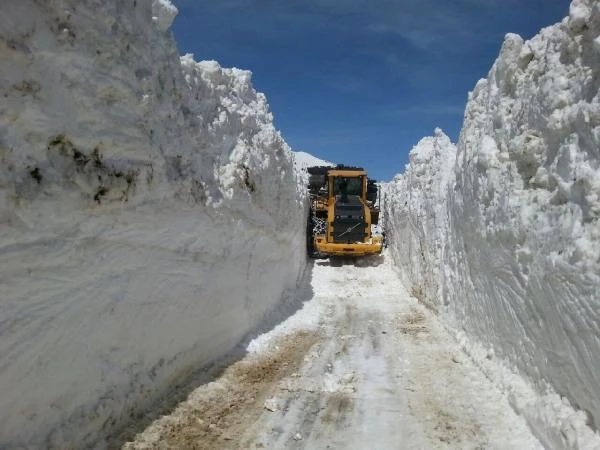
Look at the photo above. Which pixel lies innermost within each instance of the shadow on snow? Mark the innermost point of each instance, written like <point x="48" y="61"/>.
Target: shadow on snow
<point x="291" y="301"/>
<point x="361" y="261"/>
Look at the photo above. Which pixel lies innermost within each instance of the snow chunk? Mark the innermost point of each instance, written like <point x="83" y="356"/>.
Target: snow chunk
<point x="488" y="153"/>
<point x="272" y="404"/>
<point x="579" y="13"/>
<point x="163" y="14"/>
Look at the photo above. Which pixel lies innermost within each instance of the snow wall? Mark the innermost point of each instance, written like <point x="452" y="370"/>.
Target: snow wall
<point x="502" y="232"/>
<point x="150" y="216"/>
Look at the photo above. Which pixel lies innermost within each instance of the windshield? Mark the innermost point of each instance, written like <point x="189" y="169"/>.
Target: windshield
<point x="348" y="186"/>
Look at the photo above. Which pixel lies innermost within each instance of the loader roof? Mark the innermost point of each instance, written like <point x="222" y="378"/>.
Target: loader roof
<point x="351" y="172"/>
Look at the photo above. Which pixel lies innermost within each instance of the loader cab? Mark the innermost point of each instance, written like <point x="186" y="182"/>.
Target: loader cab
<point x="348" y="216"/>
<point x="345" y="188"/>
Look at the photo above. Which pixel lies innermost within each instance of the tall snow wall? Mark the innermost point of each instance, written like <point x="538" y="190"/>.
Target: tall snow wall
<point x="149" y="216"/>
<point x="415" y="216"/>
<point x="507" y="242"/>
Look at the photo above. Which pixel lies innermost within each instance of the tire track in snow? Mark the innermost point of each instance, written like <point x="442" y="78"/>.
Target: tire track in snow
<point x="368" y="367"/>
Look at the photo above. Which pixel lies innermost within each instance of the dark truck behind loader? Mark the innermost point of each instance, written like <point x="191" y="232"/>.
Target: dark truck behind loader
<point x="343" y="212"/>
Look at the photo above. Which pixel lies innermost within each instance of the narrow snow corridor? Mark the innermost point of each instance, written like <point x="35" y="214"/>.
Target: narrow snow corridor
<point x="361" y="365"/>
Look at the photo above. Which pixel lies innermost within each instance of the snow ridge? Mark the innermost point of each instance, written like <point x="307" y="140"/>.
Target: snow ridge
<point x="514" y="228"/>
<point x="303" y="160"/>
<point x="148" y="211"/>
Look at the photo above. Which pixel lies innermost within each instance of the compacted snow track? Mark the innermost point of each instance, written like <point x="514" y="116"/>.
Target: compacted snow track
<point x="361" y="365"/>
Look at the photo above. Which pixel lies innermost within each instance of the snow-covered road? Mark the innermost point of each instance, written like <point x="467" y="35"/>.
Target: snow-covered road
<point x="361" y="365"/>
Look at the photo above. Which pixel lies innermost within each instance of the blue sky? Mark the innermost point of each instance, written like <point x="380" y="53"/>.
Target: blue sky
<point x="360" y="81"/>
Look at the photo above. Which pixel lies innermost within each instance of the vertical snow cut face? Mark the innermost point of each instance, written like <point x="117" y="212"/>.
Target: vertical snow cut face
<point x="514" y="231"/>
<point x="148" y="211"/>
<point x="416" y="216"/>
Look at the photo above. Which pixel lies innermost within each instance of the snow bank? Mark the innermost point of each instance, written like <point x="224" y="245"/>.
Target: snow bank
<point x="415" y="215"/>
<point x="150" y="216"/>
<point x="514" y="231"/>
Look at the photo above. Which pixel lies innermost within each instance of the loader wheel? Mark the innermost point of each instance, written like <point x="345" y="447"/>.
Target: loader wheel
<point x="312" y="252"/>
<point x="310" y="241"/>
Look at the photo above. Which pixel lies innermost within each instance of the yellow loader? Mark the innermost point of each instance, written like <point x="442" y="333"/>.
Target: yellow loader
<point x="343" y="215"/>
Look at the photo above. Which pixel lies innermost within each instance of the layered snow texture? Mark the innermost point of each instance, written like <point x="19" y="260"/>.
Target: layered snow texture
<point x="415" y="216"/>
<point x="504" y="237"/>
<point x="149" y="212"/>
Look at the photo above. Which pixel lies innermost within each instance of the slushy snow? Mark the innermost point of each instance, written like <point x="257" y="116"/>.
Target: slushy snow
<point x="362" y="365"/>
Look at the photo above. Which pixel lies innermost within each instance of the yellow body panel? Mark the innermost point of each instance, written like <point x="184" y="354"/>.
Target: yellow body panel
<point x="346" y="173"/>
<point x="357" y="249"/>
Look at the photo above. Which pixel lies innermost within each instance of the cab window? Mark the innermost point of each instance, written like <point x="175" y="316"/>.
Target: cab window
<point x="348" y="186"/>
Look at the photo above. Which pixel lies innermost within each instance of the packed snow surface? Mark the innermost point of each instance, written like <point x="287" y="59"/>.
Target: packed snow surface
<point x="361" y="365"/>
<point x="148" y="214"/>
<point x="501" y="232"/>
